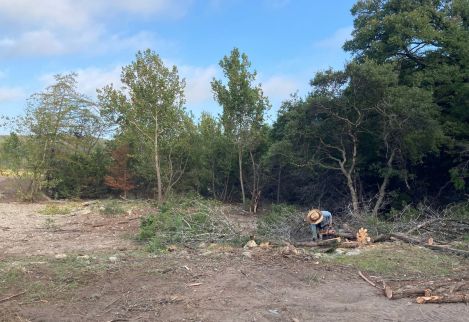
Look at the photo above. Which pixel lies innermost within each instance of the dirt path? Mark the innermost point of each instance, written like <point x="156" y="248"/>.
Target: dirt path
<point x="24" y="231"/>
<point x="190" y="284"/>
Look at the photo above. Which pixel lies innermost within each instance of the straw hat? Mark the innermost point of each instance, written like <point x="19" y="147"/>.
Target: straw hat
<point x="314" y="216"/>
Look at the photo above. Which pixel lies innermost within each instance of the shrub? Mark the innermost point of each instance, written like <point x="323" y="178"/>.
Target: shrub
<point x="282" y="222"/>
<point x="185" y="220"/>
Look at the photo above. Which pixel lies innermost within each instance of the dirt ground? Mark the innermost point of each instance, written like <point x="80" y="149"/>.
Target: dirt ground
<point x="121" y="282"/>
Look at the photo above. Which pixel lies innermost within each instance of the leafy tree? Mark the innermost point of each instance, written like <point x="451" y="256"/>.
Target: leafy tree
<point x="243" y="105"/>
<point x="149" y="109"/>
<point x="60" y="125"/>
<point x="427" y="41"/>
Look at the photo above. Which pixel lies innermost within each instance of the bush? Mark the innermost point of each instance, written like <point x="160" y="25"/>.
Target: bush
<point x="283" y="222"/>
<point x="112" y="208"/>
<point x="185" y="220"/>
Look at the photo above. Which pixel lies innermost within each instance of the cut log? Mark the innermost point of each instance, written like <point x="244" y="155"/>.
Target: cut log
<point x="409" y="291"/>
<point x="442" y="248"/>
<point x="346" y="235"/>
<point x="425" y="289"/>
<point x="349" y="244"/>
<point x="381" y="238"/>
<point x="326" y="242"/>
<point x="452" y="298"/>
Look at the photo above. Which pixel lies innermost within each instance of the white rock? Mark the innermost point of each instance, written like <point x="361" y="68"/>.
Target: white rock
<point x="113" y="259"/>
<point x="247" y="254"/>
<point x="60" y="256"/>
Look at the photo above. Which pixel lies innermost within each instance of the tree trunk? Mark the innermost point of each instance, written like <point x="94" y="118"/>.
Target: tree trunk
<point x="240" y="161"/>
<point x="353" y="194"/>
<point x="157" y="163"/>
<point x="384" y="185"/>
<point x="278" y="183"/>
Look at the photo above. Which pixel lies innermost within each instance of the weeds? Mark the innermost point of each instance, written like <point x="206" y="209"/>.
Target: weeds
<point x="54" y="210"/>
<point x="282" y="222"/>
<point x="185" y="220"/>
<point x="112" y="208"/>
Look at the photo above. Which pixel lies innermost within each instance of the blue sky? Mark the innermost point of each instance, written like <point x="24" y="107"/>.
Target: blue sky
<point x="287" y="41"/>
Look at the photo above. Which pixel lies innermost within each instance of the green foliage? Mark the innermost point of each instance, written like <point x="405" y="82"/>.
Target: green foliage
<point x="183" y="220"/>
<point x="111" y="208"/>
<point x="55" y="209"/>
<point x="282" y="222"/>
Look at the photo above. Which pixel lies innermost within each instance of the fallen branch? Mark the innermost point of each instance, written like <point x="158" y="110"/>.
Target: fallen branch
<point x="443" y="248"/>
<point x="366" y="279"/>
<point x="11" y="297"/>
<point x="425" y="223"/>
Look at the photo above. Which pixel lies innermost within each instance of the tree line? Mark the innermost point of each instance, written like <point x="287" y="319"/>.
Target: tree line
<point x="389" y="129"/>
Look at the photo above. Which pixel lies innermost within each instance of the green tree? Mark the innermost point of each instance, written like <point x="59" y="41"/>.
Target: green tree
<point x="150" y="108"/>
<point x="427" y="41"/>
<point x="243" y="105"/>
<point x="59" y="126"/>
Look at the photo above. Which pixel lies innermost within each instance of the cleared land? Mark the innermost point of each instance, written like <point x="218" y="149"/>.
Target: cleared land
<point x="107" y="275"/>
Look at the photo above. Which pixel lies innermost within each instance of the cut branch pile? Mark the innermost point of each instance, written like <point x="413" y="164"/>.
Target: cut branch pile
<point x="447" y="291"/>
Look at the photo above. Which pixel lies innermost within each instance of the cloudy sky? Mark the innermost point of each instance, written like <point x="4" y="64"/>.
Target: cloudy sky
<point x="287" y="41"/>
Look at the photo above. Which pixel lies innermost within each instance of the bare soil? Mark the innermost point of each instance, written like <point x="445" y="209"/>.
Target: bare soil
<point x="202" y="283"/>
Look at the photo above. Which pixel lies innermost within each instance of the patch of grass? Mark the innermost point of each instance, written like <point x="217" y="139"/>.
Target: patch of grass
<point x="402" y="261"/>
<point x="54" y="210"/>
<point x="112" y="208"/>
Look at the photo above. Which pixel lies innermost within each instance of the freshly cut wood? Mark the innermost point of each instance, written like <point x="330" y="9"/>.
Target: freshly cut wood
<point x="362" y="236"/>
<point x="451" y="298"/>
<point x="410" y="291"/>
<point x="426" y="289"/>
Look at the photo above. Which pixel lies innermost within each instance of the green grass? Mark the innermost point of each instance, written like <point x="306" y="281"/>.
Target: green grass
<point x="402" y="261"/>
<point x="112" y="208"/>
<point x="54" y="210"/>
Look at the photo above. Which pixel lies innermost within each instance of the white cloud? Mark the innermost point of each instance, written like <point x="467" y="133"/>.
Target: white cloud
<point x="54" y="27"/>
<point x="198" y="88"/>
<point x="90" y="79"/>
<point x="11" y="94"/>
<point x="336" y="40"/>
<point x="279" y="86"/>
<point x="40" y="42"/>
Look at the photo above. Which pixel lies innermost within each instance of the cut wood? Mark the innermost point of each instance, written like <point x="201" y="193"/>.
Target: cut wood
<point x="425" y="289"/>
<point x="443" y="248"/>
<point x="452" y="298"/>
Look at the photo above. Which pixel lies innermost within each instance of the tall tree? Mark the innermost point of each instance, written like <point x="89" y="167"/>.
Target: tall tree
<point x="243" y="105"/>
<point x="60" y="123"/>
<point x="150" y="107"/>
<point x="427" y="39"/>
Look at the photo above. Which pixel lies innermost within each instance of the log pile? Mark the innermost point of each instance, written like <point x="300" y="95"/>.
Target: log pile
<point x="447" y="291"/>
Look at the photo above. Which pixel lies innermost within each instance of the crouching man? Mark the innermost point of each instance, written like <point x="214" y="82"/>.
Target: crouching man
<point x="318" y="220"/>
